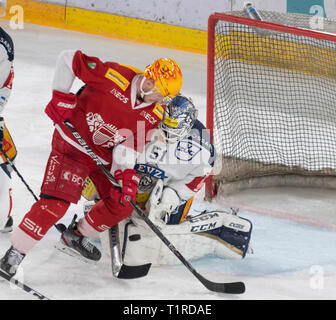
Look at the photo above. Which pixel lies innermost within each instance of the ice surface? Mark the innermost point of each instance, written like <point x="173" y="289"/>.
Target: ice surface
<point x="293" y="237"/>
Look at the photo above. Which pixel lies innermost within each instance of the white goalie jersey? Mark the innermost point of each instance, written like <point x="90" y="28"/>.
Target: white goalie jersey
<point x="182" y="166"/>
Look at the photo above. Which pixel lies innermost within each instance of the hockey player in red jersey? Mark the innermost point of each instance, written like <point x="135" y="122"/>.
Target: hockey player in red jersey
<point x="118" y="105"/>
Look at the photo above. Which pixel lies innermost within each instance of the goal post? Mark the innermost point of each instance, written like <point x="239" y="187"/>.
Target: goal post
<point x="271" y="102"/>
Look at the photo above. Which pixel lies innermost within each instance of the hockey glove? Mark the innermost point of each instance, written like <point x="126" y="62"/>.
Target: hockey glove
<point x="129" y="181"/>
<point x="61" y="106"/>
<point x="166" y="205"/>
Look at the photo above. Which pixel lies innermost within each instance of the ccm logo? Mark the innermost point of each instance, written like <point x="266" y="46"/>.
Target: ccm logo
<point x="32" y="226"/>
<point x="203" y="227"/>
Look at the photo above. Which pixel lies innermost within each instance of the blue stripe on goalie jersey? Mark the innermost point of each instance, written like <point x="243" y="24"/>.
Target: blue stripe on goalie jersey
<point x="155" y="172"/>
<point x="8" y="44"/>
<point x="200" y="135"/>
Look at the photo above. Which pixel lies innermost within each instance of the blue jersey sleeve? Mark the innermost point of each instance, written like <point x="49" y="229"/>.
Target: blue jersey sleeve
<point x="7" y="42"/>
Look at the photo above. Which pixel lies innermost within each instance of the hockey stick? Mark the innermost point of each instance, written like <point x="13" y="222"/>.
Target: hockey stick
<point x="119" y="269"/>
<point x="60" y="227"/>
<point x="22" y="286"/>
<point x="17" y="172"/>
<point x="233" y="287"/>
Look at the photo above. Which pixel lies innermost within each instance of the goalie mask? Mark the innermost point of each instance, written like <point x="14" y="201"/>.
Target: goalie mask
<point x="179" y="117"/>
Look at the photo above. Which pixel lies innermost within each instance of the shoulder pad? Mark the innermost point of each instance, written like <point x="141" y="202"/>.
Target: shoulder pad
<point x="200" y="134"/>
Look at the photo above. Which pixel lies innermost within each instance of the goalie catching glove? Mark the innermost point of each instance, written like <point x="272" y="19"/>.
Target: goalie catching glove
<point x="161" y="203"/>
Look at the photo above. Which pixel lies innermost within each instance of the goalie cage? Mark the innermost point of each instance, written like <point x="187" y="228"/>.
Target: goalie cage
<point x="271" y="106"/>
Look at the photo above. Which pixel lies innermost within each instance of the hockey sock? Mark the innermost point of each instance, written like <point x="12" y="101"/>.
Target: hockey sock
<point x="103" y="215"/>
<point x="35" y="224"/>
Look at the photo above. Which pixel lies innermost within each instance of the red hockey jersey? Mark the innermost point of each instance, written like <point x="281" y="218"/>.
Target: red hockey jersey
<point x="108" y="111"/>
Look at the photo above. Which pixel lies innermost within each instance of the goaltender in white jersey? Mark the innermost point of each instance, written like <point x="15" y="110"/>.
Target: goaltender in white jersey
<point x="172" y="170"/>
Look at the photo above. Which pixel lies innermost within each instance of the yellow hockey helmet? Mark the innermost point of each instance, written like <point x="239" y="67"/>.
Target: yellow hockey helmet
<point x="167" y="76"/>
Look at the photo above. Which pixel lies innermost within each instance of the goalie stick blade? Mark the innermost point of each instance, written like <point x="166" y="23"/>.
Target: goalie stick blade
<point x="133" y="272"/>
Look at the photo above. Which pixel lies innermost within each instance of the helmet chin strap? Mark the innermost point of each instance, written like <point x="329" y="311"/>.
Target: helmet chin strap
<point x="142" y="92"/>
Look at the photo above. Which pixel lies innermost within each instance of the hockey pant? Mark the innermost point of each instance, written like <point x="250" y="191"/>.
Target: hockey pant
<point x="65" y="174"/>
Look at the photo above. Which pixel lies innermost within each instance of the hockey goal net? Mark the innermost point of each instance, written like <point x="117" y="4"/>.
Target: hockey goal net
<point x="271" y="101"/>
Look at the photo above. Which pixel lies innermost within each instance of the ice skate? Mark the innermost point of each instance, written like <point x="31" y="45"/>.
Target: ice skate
<point x="74" y="243"/>
<point x="8" y="227"/>
<point x="11" y="261"/>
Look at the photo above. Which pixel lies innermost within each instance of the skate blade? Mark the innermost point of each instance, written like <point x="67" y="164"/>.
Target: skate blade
<point x="61" y="246"/>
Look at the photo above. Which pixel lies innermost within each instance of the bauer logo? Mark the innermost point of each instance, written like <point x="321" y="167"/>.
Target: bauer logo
<point x="66" y="105"/>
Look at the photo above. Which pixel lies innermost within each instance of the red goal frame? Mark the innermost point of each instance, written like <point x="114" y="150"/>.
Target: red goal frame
<point x="210" y="192"/>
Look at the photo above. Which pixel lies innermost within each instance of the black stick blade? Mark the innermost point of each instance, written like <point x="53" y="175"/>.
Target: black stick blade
<point x="227" y="287"/>
<point x="132" y="272"/>
<point x="235" y="287"/>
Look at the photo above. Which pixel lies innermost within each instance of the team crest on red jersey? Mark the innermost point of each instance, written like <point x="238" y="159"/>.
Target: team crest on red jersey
<point x="103" y="134"/>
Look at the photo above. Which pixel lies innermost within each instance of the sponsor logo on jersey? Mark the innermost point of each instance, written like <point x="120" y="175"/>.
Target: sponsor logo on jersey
<point x="119" y="95"/>
<point x="148" y="117"/>
<point x="150" y="170"/>
<point x="186" y="150"/>
<point x="71" y="177"/>
<point x="117" y="78"/>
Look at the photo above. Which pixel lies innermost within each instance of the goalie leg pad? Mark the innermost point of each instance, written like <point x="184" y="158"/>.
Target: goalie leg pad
<point x="236" y="240"/>
<point x="217" y="233"/>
